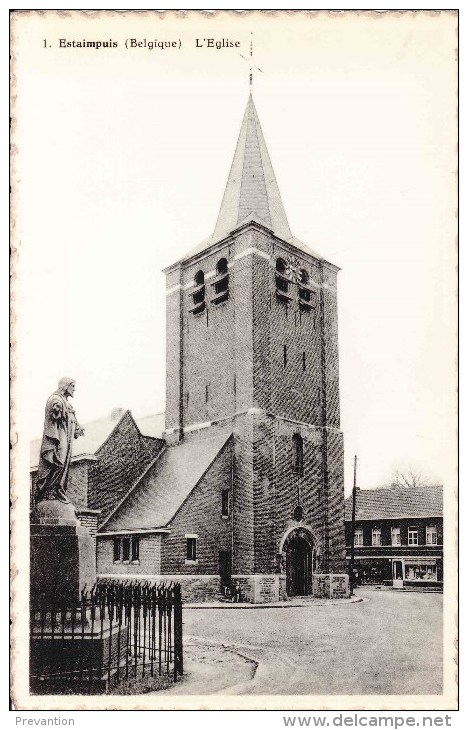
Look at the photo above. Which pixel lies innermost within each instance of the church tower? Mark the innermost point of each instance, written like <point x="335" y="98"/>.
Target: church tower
<point x="252" y="346"/>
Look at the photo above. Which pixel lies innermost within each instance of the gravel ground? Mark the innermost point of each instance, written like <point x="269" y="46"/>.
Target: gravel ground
<point x="390" y="643"/>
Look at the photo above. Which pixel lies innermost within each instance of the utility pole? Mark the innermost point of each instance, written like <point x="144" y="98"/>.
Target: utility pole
<point x="353" y="525"/>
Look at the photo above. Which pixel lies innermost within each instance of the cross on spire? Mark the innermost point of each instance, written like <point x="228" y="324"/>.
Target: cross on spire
<point x="250" y="62"/>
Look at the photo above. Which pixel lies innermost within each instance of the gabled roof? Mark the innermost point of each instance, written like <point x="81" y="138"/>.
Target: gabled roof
<point x="393" y="502"/>
<point x="110" y="484"/>
<point x="97" y="432"/>
<point x="166" y="484"/>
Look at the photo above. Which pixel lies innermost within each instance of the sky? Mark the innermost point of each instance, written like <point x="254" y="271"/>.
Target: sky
<point x="121" y="161"/>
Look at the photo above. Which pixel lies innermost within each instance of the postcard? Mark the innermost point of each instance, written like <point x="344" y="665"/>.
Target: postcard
<point x="234" y="379"/>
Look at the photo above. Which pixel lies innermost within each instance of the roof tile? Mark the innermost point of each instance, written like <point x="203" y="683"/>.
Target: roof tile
<point x="393" y="502"/>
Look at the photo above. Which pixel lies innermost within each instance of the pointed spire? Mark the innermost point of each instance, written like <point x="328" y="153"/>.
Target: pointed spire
<point x="251" y="191"/>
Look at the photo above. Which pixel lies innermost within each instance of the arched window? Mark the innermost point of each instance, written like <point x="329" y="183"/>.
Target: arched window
<point x="222" y="266"/>
<point x="306" y="301"/>
<point x="221" y="282"/>
<point x="297" y="453"/>
<point x="280" y="266"/>
<point x="198" y="294"/>
<point x="282" y="281"/>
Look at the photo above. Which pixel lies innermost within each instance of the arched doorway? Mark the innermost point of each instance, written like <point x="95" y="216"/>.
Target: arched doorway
<point x="298" y="566"/>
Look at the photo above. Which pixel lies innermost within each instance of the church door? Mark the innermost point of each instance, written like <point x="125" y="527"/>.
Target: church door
<point x="298" y="567"/>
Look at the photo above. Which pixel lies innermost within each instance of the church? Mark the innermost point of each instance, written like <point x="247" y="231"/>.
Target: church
<point x="243" y="483"/>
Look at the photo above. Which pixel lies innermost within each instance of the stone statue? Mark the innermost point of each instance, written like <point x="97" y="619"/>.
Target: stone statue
<point x="60" y="428"/>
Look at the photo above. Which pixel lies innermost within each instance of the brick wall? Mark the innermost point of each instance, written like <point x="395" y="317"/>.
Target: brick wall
<point x="88" y="519"/>
<point x="119" y="461"/>
<point x="404" y="524"/>
<point x="195" y="588"/>
<point x="78" y="480"/>
<point x="201" y="515"/>
<point x="173" y="350"/>
<point x="148" y="564"/>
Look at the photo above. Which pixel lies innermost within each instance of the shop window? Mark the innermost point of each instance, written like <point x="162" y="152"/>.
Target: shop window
<point x="358" y="537"/>
<point x="225" y="503"/>
<point x="431" y="535"/>
<point x="191" y="549"/>
<point x="396" y="536"/>
<point x="412" y="536"/>
<point x="198" y="293"/>
<point x="220" y="283"/>
<point x="376" y="537"/>
<point x="282" y="282"/>
<point x="298" y="453"/>
<point x="420" y="571"/>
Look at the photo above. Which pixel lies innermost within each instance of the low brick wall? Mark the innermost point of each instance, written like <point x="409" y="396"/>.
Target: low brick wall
<point x="195" y="588"/>
<point x="255" y="588"/>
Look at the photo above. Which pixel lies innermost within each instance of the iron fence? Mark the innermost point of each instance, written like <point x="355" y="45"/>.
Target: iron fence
<point x="115" y="633"/>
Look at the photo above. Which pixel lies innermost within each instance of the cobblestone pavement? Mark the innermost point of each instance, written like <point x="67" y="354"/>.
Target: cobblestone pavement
<point x="390" y="643"/>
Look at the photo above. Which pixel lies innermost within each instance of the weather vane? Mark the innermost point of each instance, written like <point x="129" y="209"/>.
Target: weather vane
<point x="250" y="62"/>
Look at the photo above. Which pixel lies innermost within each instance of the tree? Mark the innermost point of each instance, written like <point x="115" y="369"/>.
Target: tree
<point x="409" y="478"/>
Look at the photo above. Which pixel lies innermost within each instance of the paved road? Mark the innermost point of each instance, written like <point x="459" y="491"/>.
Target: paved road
<point x="390" y="643"/>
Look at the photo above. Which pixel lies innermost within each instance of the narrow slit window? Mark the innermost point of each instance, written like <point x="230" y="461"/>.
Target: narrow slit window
<point x="304" y="364"/>
<point x="191" y="549"/>
<point x="117" y="550"/>
<point x="225" y="503"/>
<point x="135" y="549"/>
<point x="126" y="549"/>
<point x="285" y="355"/>
<point x="298" y="453"/>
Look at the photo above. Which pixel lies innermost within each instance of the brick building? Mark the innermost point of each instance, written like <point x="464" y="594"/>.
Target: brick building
<point x="398" y="536"/>
<point x="246" y="484"/>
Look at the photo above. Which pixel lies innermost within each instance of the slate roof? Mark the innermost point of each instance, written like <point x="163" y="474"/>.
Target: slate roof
<point x="251" y="192"/>
<point x="166" y="484"/>
<point x="251" y="185"/>
<point x="111" y="482"/>
<point x="396" y="502"/>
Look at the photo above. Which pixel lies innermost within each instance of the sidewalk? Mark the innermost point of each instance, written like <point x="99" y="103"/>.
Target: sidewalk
<point x="299" y="602"/>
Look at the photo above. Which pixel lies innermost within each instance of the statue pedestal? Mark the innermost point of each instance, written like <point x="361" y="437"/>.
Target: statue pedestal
<point x="63" y="558"/>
